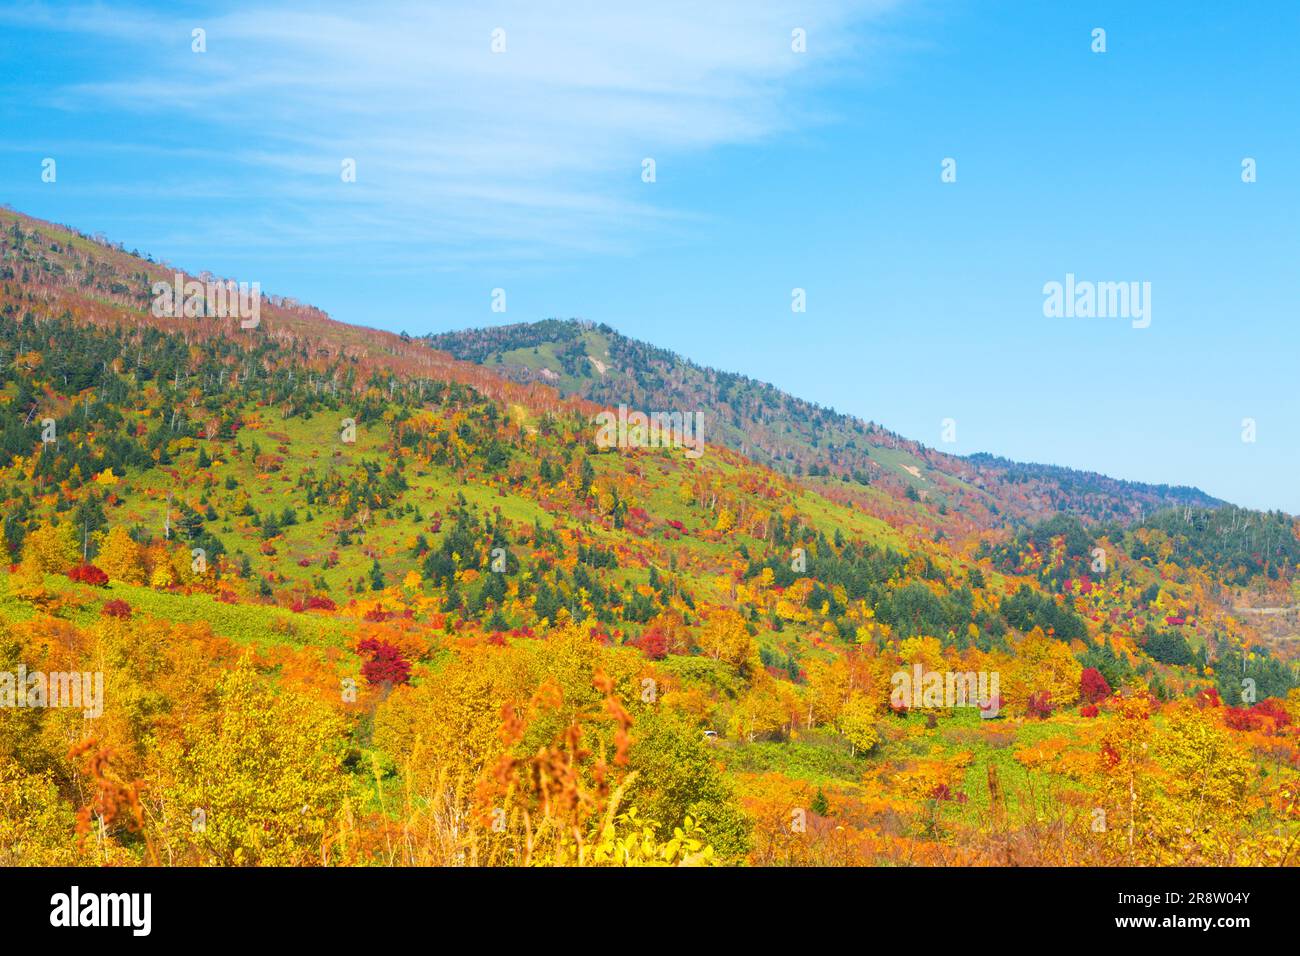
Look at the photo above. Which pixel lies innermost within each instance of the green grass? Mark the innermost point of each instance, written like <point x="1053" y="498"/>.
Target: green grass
<point x="815" y="759"/>
<point x="256" y="624"/>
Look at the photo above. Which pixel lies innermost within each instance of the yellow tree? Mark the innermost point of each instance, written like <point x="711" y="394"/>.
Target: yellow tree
<point x="725" y="637"/>
<point x="829" y="688"/>
<point x="34" y="822"/>
<point x="762" y="711"/>
<point x="49" y="549"/>
<point x="120" y="557"/>
<point x="1173" y="793"/>
<point x="258" y="781"/>
<point x="831" y="684"/>
<point x="858" y="723"/>
<point x="163" y="576"/>
<point x="449" y="727"/>
<point x="1043" y="665"/>
<point x="1203" y="807"/>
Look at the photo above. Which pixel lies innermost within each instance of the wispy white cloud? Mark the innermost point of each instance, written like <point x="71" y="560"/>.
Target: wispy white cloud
<point x="536" y="148"/>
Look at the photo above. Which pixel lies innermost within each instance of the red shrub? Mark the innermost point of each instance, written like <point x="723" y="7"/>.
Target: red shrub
<point x="386" y="664"/>
<point x="1089" y="710"/>
<point x="1241" y="718"/>
<point x="1268" y="716"/>
<point x="1093" y="686"/>
<point x="1272" y="708"/>
<point x="654" y="644"/>
<point x="942" y="792"/>
<point x="115" y="608"/>
<point x="89" y="574"/>
<point x="313" y="603"/>
<point x="1209" y="697"/>
<point x="1040" y="704"/>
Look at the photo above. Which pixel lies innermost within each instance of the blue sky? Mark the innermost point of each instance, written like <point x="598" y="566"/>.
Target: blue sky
<point x="820" y="170"/>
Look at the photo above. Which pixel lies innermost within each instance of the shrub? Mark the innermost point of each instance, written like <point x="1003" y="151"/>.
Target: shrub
<point x="654" y="644"/>
<point x="1272" y="708"/>
<point x="116" y="608"/>
<point x="1268" y="716"/>
<point x="386" y="664"/>
<point x="1040" y="704"/>
<point x="1093" y="686"/>
<point x="1208" y="697"/>
<point x="89" y="574"/>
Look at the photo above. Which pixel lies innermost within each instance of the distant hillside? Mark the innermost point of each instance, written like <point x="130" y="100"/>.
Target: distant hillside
<point x="799" y="437"/>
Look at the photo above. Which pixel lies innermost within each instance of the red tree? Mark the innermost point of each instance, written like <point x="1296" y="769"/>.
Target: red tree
<point x="654" y="644"/>
<point x="386" y="664"/>
<point x="1093" y="686"/>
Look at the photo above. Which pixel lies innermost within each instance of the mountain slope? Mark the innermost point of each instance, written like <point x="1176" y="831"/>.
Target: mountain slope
<point x="785" y="432"/>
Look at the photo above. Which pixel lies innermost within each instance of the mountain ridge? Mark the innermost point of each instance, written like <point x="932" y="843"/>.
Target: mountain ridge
<point x="767" y="430"/>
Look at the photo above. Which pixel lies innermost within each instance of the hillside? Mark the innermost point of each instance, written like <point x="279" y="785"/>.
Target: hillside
<point x="359" y="601"/>
<point x="787" y="433"/>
